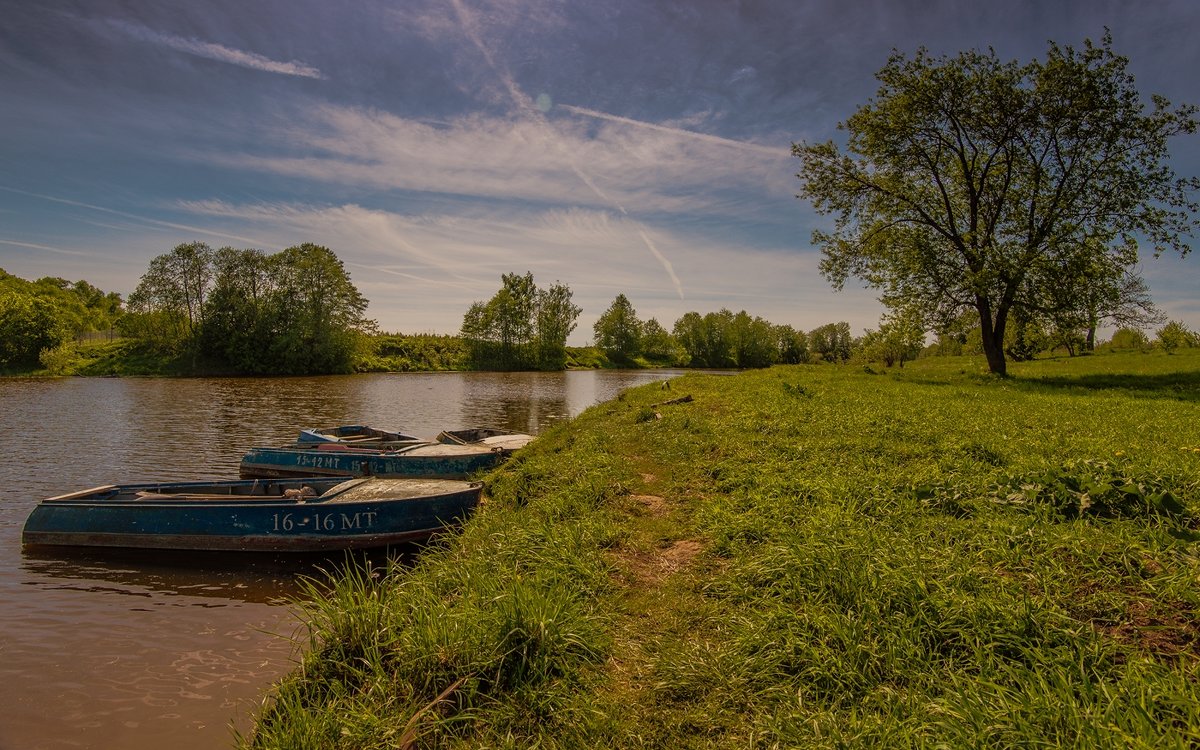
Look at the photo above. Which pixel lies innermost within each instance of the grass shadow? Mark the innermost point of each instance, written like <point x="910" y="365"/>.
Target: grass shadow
<point x="1175" y="386"/>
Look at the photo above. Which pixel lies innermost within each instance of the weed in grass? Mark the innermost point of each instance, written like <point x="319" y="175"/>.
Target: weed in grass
<point x="1101" y="489"/>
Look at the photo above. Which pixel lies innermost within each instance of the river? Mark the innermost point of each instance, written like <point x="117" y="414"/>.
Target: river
<point x="152" y="650"/>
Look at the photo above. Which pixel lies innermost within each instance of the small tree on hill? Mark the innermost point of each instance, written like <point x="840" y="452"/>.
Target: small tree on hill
<point x="1174" y="335"/>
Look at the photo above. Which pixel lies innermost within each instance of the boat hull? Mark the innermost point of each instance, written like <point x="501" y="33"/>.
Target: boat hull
<point x="436" y="461"/>
<point x="180" y="516"/>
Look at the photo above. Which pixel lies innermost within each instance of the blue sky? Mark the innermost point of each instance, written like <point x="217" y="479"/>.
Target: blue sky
<point x="624" y="146"/>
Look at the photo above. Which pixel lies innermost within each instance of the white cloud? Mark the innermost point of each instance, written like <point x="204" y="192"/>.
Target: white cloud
<point x="218" y="52"/>
<point x="649" y="170"/>
<point x="422" y="272"/>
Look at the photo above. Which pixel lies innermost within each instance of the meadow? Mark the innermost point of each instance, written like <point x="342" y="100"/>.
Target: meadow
<point x="804" y="556"/>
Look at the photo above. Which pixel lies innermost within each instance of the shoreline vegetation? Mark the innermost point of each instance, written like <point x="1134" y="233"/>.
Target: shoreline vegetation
<point x="797" y="557"/>
<point x="127" y="357"/>
<point x="131" y="357"/>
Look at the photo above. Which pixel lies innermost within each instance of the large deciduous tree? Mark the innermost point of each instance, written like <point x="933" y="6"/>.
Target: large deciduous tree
<point x="618" y="331"/>
<point x="969" y="182"/>
<point x="521" y="326"/>
<point x="317" y="314"/>
<point x="169" y="298"/>
<point x="556" y="318"/>
<point x="237" y="324"/>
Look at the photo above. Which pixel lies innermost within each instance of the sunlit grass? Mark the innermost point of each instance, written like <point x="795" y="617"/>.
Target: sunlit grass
<point x="800" y="557"/>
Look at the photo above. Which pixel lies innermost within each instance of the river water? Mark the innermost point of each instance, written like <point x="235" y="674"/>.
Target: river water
<point x="153" y="650"/>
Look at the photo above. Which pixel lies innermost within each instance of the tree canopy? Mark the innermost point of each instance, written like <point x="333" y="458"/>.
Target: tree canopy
<point x="618" y="331"/>
<point x="37" y="316"/>
<point x="294" y="312"/>
<point x="522" y="327"/>
<point x="973" y="183"/>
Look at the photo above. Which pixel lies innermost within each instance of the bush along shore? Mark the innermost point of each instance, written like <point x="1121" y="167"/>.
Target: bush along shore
<point x="797" y="557"/>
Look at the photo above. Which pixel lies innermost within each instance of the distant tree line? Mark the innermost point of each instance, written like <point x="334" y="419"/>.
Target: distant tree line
<point x="47" y="314"/>
<point x="721" y="339"/>
<point x="296" y="312"/>
<point x="291" y="312"/>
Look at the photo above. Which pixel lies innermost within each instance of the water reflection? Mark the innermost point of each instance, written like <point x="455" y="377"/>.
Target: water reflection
<point x="249" y="577"/>
<point x="140" y="650"/>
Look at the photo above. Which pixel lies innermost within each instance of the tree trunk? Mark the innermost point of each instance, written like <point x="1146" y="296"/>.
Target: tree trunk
<point x="994" y="351"/>
<point x="1091" y="339"/>
<point x="993" y="340"/>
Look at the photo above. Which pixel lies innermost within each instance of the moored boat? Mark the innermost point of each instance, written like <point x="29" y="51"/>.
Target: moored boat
<point x="417" y="460"/>
<point x="490" y="437"/>
<point x="453" y="454"/>
<point x="294" y="515"/>
<point x="356" y="434"/>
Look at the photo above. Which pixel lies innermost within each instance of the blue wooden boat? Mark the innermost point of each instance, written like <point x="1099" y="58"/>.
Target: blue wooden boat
<point x="298" y="515"/>
<point x="354" y="435"/>
<point x="418" y="460"/>
<point x="454" y="454"/>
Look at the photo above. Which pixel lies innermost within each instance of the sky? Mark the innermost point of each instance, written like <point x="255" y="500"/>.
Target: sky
<point x="636" y="147"/>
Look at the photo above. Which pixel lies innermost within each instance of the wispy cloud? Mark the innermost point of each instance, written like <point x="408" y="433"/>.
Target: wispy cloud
<point x="678" y="132"/>
<point x="35" y="246"/>
<point x="483" y="156"/>
<point x="528" y="109"/>
<point x="143" y="219"/>
<point x="218" y="52"/>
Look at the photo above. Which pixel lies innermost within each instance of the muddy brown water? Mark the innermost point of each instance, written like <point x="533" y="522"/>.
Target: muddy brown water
<point x="151" y="650"/>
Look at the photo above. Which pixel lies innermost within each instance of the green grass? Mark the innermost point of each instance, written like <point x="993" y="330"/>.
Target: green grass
<point x="799" y="557"/>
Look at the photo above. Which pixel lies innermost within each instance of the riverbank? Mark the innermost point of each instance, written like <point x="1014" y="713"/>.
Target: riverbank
<point x="388" y="353"/>
<point x="802" y="557"/>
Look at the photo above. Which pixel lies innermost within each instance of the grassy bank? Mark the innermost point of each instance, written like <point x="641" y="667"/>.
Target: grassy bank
<point x="799" y="557"/>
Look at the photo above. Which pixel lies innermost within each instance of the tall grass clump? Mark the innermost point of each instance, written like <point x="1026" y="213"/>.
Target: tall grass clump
<point x="800" y="557"/>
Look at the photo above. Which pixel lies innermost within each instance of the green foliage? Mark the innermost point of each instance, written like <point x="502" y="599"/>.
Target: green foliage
<point x="898" y="340"/>
<point x="239" y="321"/>
<point x="291" y="313"/>
<point x="658" y="346"/>
<point x="418" y="353"/>
<point x="522" y="327"/>
<point x="1129" y="338"/>
<point x="315" y="314"/>
<point x="1100" y="488"/>
<point x="618" y="331"/>
<point x="59" y="360"/>
<point x="586" y="358"/>
<point x="973" y="183"/>
<point x="793" y="345"/>
<point x="1175" y="335"/>
<point x="831" y="342"/>
<point x="47" y="314"/>
<point x="29" y="324"/>
<point x="706" y="338"/>
<point x="1024" y="338"/>
<point x="169" y="298"/>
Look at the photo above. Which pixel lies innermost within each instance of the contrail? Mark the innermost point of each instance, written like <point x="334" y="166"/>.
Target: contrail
<point x="218" y="52"/>
<point x="135" y="217"/>
<point x="530" y="110"/>
<point x="43" y="247"/>
<point x="714" y="139"/>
